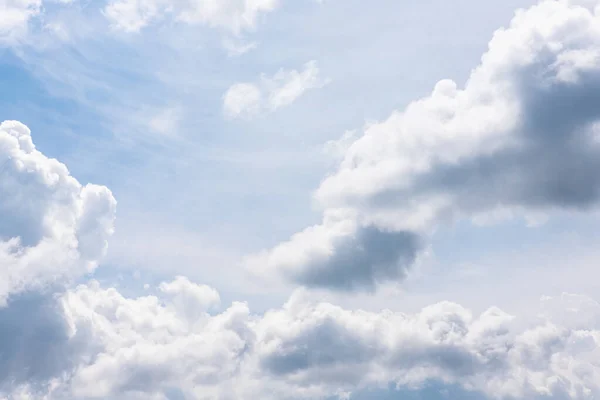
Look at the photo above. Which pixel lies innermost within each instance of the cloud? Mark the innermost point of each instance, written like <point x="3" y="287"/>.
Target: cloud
<point x="14" y="18"/>
<point x="87" y="342"/>
<point x="166" y="121"/>
<point x="34" y="341"/>
<point x="188" y="297"/>
<point x="145" y="347"/>
<point x="521" y="138"/>
<point x="234" y="16"/>
<point x="105" y="345"/>
<point x="342" y="255"/>
<point x="53" y="228"/>
<point x="271" y="93"/>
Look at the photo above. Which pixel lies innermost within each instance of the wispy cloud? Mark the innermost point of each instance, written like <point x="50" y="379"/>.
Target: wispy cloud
<point x="271" y="92"/>
<point x="15" y="17"/>
<point x="231" y="15"/>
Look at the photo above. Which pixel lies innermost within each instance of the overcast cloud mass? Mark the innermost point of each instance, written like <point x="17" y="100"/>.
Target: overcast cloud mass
<point x="518" y="142"/>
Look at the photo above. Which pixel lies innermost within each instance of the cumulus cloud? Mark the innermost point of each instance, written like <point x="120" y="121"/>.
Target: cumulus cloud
<point x="271" y="93"/>
<point x="124" y="348"/>
<point x="521" y="138"/>
<point x="89" y="342"/>
<point x="15" y="16"/>
<point x="53" y="228"/>
<point x="234" y="16"/>
<point x="142" y="346"/>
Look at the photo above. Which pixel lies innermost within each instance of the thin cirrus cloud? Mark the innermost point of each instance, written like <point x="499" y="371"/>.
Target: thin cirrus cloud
<point x="15" y="17"/>
<point x="247" y="100"/>
<point x="233" y="17"/>
<point x="230" y="15"/>
<point x="521" y="138"/>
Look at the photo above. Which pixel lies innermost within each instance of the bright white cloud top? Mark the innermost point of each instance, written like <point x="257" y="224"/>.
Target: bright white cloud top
<point x="53" y="228"/>
<point x="519" y="139"/>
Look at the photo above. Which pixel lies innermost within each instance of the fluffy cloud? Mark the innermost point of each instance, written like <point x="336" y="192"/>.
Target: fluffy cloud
<point x="53" y="228"/>
<point x="271" y="93"/>
<point x="521" y="138"/>
<point x="321" y="345"/>
<point x="234" y="16"/>
<point x="143" y="346"/>
<point x="89" y="342"/>
<point x="15" y="16"/>
<point x="104" y="345"/>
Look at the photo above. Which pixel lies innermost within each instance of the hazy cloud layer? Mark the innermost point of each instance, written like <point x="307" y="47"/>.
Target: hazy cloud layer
<point x="45" y="18"/>
<point x="234" y="16"/>
<point x="14" y="18"/>
<point x="521" y="138"/>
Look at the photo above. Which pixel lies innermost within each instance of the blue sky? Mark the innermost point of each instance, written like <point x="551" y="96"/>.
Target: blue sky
<point x="311" y="160"/>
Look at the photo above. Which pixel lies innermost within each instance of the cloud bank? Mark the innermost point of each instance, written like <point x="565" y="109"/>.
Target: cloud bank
<point x="105" y="345"/>
<point x="520" y="139"/>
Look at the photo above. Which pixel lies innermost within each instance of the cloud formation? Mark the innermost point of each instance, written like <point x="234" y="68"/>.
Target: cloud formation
<point x="88" y="342"/>
<point x="521" y="138"/>
<point x="53" y="228"/>
<point x="14" y="18"/>
<point x="247" y="100"/>
<point x="148" y="347"/>
<point x="234" y="16"/>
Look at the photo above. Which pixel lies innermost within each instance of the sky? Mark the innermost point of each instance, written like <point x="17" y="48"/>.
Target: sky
<point x="309" y="199"/>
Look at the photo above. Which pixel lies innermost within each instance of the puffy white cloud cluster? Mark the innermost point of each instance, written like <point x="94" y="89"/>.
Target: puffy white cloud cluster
<point x="51" y="227"/>
<point x="150" y="347"/>
<point x="521" y="138"/>
<point x="326" y="346"/>
<point x="234" y="16"/>
<point x="247" y="100"/>
<point x="14" y="18"/>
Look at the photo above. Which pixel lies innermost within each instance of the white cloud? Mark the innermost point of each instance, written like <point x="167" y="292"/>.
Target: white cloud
<point x="91" y="342"/>
<point x="237" y="48"/>
<point x="141" y="346"/>
<point x="243" y="99"/>
<point x="14" y="18"/>
<point x="166" y="121"/>
<point x="144" y="347"/>
<point x="190" y="298"/>
<point x="52" y="227"/>
<point x="270" y="93"/>
<point x="234" y="16"/>
<point x="517" y="140"/>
